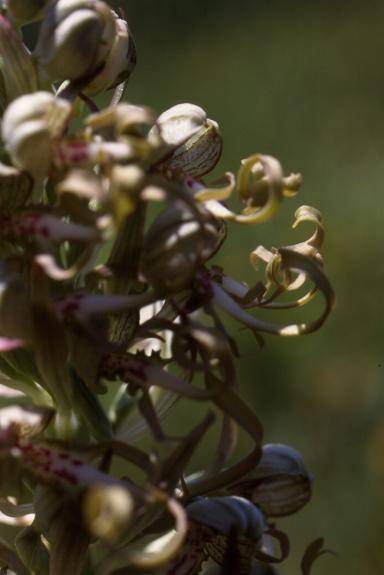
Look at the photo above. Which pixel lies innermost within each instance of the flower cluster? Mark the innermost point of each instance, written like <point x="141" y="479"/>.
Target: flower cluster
<point x="111" y="312"/>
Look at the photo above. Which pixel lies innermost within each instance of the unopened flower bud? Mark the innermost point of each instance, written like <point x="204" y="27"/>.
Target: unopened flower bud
<point x="218" y="518"/>
<point x="280" y="485"/>
<point x="75" y="37"/>
<point x="85" y="40"/>
<point x="24" y="11"/>
<point x="177" y="244"/>
<point x="215" y="524"/>
<point x="223" y="514"/>
<point x="30" y="125"/>
<point x="193" y="142"/>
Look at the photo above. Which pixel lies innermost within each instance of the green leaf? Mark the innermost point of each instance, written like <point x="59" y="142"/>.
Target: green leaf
<point x="32" y="551"/>
<point x="313" y="552"/>
<point x="89" y="408"/>
<point x="8" y="558"/>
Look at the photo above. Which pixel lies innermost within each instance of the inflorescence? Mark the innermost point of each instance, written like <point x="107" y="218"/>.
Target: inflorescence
<point x="111" y="313"/>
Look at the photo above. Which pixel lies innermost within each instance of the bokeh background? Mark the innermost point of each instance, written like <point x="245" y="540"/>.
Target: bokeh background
<point x="303" y="81"/>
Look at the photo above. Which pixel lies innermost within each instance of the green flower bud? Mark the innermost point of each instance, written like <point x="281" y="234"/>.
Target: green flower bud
<point x="85" y="40"/>
<point x="280" y="485"/>
<point x="24" y="11"/>
<point x="193" y="142"/>
<point x="177" y="244"/>
<point x="30" y="125"/>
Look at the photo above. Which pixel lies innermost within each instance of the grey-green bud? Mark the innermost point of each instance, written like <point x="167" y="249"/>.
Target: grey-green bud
<point x="193" y="142"/>
<point x="75" y="37"/>
<point x="85" y="40"/>
<point x="223" y="514"/>
<point x="280" y="484"/>
<point x="177" y="244"/>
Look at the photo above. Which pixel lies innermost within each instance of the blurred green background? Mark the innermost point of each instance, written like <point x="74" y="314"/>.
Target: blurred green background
<point x="303" y="81"/>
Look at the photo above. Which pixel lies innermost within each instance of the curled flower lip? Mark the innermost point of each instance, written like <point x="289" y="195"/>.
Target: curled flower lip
<point x="290" y="260"/>
<point x="260" y="184"/>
